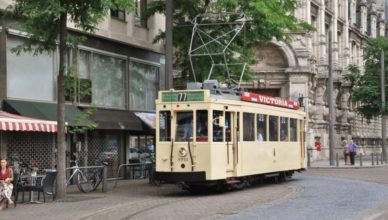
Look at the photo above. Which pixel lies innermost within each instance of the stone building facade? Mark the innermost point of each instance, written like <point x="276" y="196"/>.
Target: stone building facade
<point x="300" y="68"/>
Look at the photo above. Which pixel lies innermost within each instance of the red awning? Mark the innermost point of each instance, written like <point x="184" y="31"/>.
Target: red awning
<point x="11" y="122"/>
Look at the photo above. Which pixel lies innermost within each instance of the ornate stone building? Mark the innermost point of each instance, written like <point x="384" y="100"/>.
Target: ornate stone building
<point x="300" y="68"/>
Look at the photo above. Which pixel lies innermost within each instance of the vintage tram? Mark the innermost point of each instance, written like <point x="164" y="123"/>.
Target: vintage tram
<point x="227" y="138"/>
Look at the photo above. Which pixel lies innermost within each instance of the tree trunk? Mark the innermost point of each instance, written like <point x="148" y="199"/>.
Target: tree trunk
<point x="61" y="144"/>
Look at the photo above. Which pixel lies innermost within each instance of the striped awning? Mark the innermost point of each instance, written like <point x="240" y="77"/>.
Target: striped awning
<point x="11" y="122"/>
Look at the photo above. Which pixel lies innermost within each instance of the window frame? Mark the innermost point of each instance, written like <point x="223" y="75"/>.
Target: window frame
<point x="129" y="78"/>
<point x="93" y="51"/>
<point x="118" y="17"/>
<point x="140" y="7"/>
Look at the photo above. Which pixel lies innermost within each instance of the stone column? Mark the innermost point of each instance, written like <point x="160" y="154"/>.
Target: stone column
<point x="363" y="13"/>
<point x="322" y="35"/>
<point x="334" y="32"/>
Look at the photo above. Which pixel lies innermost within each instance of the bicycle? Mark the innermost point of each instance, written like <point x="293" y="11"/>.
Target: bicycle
<point x="87" y="181"/>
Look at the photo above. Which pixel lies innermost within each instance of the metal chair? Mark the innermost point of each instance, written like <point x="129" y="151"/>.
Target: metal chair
<point x="47" y="185"/>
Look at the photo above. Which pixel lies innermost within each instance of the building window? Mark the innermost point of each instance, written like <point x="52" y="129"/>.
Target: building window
<point x="103" y="75"/>
<point x="118" y="14"/>
<point x="140" y="7"/>
<point x="26" y="74"/>
<point x="143" y="86"/>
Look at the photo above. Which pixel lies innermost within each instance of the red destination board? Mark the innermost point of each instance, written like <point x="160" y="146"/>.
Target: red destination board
<point x="268" y="100"/>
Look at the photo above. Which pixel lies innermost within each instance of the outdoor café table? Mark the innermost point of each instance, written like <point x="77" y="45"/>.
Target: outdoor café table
<point x="31" y="182"/>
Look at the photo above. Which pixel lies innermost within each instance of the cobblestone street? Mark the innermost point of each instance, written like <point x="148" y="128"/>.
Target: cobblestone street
<point x="307" y="196"/>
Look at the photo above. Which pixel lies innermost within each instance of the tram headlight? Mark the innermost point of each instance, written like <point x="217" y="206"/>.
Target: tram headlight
<point x="182" y="152"/>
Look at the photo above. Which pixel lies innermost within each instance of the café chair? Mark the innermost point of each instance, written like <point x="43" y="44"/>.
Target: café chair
<point x="47" y="186"/>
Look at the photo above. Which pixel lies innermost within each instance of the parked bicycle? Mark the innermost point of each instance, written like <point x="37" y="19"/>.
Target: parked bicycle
<point x="87" y="179"/>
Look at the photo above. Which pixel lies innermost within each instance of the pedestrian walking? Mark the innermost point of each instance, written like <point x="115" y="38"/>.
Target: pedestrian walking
<point x="318" y="148"/>
<point x="346" y="152"/>
<point x="352" y="150"/>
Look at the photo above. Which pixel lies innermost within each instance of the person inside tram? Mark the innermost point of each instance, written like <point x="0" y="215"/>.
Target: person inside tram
<point x="6" y="178"/>
<point x="260" y="137"/>
<point x="188" y="130"/>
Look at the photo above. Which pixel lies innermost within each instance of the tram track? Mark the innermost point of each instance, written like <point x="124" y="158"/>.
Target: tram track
<point x="200" y="206"/>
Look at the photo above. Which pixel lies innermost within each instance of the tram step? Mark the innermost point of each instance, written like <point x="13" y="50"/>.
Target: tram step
<point x="272" y="175"/>
<point x="232" y="181"/>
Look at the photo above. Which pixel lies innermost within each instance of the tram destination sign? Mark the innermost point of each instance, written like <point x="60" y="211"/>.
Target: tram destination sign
<point x="183" y="96"/>
<point x="268" y="100"/>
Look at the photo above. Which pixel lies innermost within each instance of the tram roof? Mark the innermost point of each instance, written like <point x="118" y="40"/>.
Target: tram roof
<point x="198" y="95"/>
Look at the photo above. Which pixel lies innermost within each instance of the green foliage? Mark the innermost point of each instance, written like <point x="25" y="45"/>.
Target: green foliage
<point x="81" y="119"/>
<point x="41" y="20"/>
<point x="267" y="20"/>
<point x="367" y="86"/>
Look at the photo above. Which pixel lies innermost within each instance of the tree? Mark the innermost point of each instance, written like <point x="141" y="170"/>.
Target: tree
<point x="366" y="88"/>
<point x="267" y="20"/>
<point x="46" y="25"/>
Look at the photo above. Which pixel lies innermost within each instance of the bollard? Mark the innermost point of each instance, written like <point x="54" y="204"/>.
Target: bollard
<point x="377" y="159"/>
<point x="373" y="159"/>
<point x="336" y="159"/>
<point x="308" y="159"/>
<point x="360" y="160"/>
<point x="104" y="179"/>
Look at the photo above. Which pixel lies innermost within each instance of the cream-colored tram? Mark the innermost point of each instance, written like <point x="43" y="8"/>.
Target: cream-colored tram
<point x="207" y="137"/>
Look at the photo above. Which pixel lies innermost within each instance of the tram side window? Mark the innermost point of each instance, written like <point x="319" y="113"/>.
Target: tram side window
<point x="202" y="133"/>
<point x="228" y="127"/>
<point x="261" y="127"/>
<point x="273" y="128"/>
<point x="283" y="129"/>
<point x="248" y="126"/>
<point x="217" y="130"/>
<point x="164" y="126"/>
<point x="184" y="126"/>
<point x="293" y="129"/>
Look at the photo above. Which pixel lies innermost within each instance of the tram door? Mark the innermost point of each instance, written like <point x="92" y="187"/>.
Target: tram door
<point x="230" y="141"/>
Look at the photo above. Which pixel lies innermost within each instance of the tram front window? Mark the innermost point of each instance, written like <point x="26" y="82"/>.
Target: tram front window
<point x="202" y="133"/>
<point x="184" y="126"/>
<point x="164" y="126"/>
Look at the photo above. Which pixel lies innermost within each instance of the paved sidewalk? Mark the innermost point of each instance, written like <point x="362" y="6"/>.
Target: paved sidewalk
<point x="84" y="205"/>
<point x="325" y="163"/>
